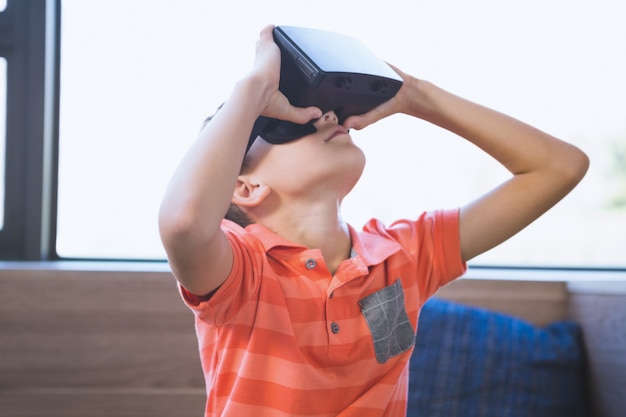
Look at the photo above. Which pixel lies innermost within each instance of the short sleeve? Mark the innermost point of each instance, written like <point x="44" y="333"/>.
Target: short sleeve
<point x="447" y="244"/>
<point x="432" y="241"/>
<point x="240" y="285"/>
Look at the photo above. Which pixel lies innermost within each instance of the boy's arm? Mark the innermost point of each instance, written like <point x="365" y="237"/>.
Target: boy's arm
<point x="201" y="188"/>
<point x="544" y="168"/>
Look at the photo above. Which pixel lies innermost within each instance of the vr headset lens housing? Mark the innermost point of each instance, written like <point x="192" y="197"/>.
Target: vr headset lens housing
<point x="276" y="131"/>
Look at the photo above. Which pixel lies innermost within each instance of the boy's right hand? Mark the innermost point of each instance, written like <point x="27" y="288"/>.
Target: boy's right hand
<point x="266" y="72"/>
<point x="201" y="188"/>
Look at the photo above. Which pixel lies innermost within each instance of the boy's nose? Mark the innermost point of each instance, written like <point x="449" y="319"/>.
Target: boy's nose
<point x="328" y="117"/>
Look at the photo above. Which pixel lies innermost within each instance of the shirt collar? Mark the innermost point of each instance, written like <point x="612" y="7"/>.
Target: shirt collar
<point x="372" y="248"/>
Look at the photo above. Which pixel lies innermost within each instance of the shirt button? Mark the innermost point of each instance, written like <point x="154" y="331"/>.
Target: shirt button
<point x="310" y="264"/>
<point x="334" y="327"/>
<point x="332" y="294"/>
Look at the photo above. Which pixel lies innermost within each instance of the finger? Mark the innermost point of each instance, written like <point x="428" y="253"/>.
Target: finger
<point x="355" y="122"/>
<point x="397" y="70"/>
<point x="304" y="115"/>
<point x="267" y="31"/>
<point x="265" y="36"/>
<point x="358" y="122"/>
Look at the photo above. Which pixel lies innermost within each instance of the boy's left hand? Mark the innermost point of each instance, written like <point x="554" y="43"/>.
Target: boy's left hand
<point x="399" y="103"/>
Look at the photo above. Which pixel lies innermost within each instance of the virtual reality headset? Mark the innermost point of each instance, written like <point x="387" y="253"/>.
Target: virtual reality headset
<point x="329" y="71"/>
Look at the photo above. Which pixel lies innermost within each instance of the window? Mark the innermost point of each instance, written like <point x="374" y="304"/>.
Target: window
<point x="137" y="79"/>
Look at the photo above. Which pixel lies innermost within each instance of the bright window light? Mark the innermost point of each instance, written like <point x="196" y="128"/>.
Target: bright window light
<point x="137" y="79"/>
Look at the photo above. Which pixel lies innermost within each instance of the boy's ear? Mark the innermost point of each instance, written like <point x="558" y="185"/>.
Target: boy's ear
<point x="248" y="193"/>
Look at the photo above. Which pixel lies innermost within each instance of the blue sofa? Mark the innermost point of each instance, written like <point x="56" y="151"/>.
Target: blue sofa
<point x="471" y="362"/>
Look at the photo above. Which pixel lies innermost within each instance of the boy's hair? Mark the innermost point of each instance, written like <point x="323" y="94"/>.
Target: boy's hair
<point x="234" y="213"/>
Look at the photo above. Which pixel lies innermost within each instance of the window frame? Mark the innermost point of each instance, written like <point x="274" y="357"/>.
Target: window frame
<point x="29" y="43"/>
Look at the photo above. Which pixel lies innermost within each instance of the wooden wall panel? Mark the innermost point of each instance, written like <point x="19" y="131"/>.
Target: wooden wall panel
<point x="94" y="403"/>
<point x="96" y="343"/>
<point x="106" y="343"/>
<point x="539" y="303"/>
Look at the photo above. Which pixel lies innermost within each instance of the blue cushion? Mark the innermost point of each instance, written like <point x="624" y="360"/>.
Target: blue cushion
<point x="473" y="362"/>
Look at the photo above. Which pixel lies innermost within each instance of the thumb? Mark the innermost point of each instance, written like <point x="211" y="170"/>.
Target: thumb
<point x="355" y="122"/>
<point x="358" y="122"/>
<point x="304" y="115"/>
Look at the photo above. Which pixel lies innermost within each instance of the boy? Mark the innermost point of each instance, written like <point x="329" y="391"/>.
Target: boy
<point x="298" y="313"/>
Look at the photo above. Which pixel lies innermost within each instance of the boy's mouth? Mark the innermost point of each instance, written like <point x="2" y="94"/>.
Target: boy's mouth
<point x="337" y="131"/>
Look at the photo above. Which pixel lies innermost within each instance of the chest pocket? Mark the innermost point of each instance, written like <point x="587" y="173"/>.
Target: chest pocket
<point x="388" y="322"/>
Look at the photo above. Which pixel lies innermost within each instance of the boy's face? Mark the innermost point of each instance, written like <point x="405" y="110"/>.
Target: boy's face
<point x="327" y="158"/>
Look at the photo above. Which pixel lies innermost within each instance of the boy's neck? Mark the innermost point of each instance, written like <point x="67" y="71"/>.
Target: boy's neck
<point x="315" y="229"/>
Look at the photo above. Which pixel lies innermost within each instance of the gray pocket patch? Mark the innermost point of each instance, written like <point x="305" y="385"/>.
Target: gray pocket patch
<point x="389" y="324"/>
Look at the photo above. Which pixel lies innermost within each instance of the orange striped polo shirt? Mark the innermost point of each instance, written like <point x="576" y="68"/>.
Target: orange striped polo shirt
<point x="283" y="337"/>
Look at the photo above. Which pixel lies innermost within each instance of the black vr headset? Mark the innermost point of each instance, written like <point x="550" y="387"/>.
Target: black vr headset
<point x="329" y="71"/>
